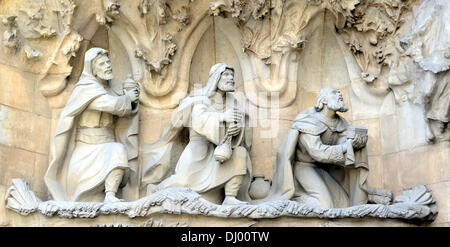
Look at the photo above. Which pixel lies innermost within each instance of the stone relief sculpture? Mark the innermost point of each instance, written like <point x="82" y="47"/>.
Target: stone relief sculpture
<point x="91" y="148"/>
<point x="216" y="155"/>
<point x="327" y="180"/>
<point x="420" y="70"/>
<point x="10" y="38"/>
<point x="323" y="161"/>
<point x="322" y="168"/>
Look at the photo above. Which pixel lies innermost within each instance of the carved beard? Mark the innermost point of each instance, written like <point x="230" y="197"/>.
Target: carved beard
<point x="105" y="75"/>
<point x="226" y="86"/>
<point x="338" y="106"/>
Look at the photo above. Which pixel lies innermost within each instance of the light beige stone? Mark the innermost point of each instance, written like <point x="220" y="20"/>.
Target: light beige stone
<point x="203" y="58"/>
<point x="16" y="163"/>
<point x="391" y="175"/>
<point x="306" y="99"/>
<point x="17" y="88"/>
<point x="3" y="220"/>
<point x="40" y="167"/>
<point x="152" y="123"/>
<point x="19" y="127"/>
<point x="348" y="114"/>
<point x="389" y="137"/>
<point x="378" y="64"/>
<point x="373" y="144"/>
<point x="41" y="105"/>
<point x="440" y="192"/>
<point x="421" y="165"/>
<point x="376" y="175"/>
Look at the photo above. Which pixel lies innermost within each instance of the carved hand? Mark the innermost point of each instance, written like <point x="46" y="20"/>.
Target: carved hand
<point x="232" y="115"/>
<point x="359" y="142"/>
<point x="234" y="129"/>
<point x="134" y="94"/>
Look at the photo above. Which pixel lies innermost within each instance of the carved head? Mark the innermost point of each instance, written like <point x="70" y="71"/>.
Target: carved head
<point x="332" y="98"/>
<point x="101" y="67"/>
<point x="226" y="81"/>
<point x="215" y="75"/>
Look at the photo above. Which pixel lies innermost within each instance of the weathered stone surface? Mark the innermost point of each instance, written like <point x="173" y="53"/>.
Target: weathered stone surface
<point x="373" y="144"/>
<point x="389" y="138"/>
<point x="3" y="220"/>
<point x="421" y="165"/>
<point x="19" y="127"/>
<point x="17" y="88"/>
<point x="413" y="204"/>
<point x="388" y="58"/>
<point x="376" y="174"/>
<point x="16" y="163"/>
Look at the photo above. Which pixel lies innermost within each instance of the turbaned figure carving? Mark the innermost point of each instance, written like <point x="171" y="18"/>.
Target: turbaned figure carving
<point x="96" y="135"/>
<point x="216" y="155"/>
<point x="323" y="161"/>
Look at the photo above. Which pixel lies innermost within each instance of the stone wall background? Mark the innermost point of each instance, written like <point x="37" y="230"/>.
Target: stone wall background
<point x="399" y="157"/>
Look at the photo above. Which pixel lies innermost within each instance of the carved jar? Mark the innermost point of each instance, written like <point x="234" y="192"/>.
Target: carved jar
<point x="259" y="188"/>
<point x="223" y="152"/>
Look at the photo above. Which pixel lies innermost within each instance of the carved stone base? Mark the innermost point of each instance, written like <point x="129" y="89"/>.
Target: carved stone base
<point x="414" y="204"/>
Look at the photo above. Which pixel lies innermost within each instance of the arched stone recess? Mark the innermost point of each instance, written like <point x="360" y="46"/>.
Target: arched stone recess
<point x="158" y="48"/>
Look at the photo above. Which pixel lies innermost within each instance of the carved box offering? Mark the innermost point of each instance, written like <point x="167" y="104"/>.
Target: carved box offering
<point x="356" y="131"/>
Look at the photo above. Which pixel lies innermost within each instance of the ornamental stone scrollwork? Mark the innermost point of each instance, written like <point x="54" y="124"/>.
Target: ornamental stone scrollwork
<point x="32" y="53"/>
<point x="367" y="28"/>
<point x="46" y="47"/>
<point x="415" y="204"/>
<point x="267" y="47"/>
<point x="151" y="33"/>
<point x="419" y="70"/>
<point x="10" y="39"/>
<point x="36" y="28"/>
<point x="276" y="45"/>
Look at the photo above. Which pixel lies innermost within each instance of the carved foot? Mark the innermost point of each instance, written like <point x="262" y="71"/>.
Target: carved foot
<point x="231" y="200"/>
<point x="111" y="197"/>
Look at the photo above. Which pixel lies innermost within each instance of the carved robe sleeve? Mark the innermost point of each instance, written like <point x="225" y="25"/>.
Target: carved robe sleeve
<point x="116" y="105"/>
<point x="329" y="154"/>
<point x="206" y="123"/>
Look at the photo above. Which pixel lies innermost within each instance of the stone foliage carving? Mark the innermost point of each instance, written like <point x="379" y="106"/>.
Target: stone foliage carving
<point x="419" y="70"/>
<point x="10" y="38"/>
<point x="367" y="29"/>
<point x="151" y="32"/>
<point x="47" y="47"/>
<point x="414" y="204"/>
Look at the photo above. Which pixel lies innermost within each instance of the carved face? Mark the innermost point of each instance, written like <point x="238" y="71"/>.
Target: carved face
<point x="101" y="68"/>
<point x="335" y="101"/>
<point x="226" y="82"/>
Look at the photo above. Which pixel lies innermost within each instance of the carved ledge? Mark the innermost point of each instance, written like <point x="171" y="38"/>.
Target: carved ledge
<point x="414" y="204"/>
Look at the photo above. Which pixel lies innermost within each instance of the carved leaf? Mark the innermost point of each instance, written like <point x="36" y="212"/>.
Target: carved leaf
<point x="418" y="195"/>
<point x="20" y="198"/>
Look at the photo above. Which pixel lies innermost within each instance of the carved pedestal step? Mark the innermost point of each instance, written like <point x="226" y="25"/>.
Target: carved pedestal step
<point x="416" y="204"/>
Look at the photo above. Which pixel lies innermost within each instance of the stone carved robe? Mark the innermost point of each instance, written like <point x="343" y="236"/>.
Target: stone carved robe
<point x="196" y="167"/>
<point x="312" y="142"/>
<point x="89" y="142"/>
